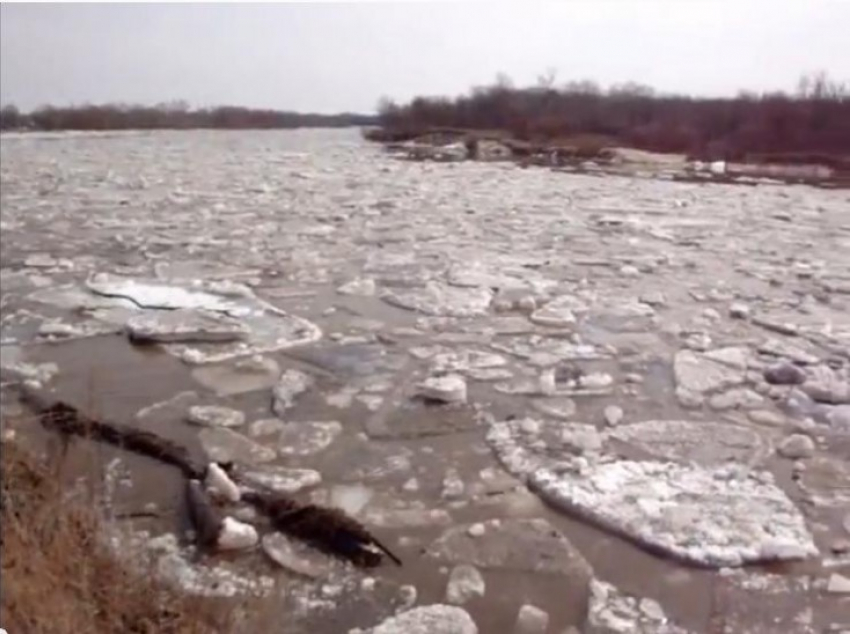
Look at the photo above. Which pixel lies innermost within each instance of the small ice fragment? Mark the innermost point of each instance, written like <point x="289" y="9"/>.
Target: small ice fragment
<point x="236" y="535"/>
<point x="219" y="484"/>
<point x="476" y="530"/>
<point x="448" y="389"/>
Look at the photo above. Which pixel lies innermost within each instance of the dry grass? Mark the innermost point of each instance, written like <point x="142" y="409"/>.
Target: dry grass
<point x="59" y="578"/>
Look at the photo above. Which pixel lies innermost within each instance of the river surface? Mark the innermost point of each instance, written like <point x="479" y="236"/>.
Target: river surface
<point x="612" y="336"/>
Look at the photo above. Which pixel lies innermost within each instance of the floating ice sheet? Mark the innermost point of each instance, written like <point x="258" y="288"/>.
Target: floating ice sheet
<point x="265" y="327"/>
<point x="715" y="515"/>
<point x="709" y="516"/>
<point x="442" y="300"/>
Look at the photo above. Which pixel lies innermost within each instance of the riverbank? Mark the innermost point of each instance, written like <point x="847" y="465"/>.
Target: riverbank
<point x="600" y="155"/>
<point x="59" y="575"/>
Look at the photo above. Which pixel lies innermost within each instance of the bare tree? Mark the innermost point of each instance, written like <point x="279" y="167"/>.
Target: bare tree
<point x="818" y="85"/>
<point x="10" y="117"/>
<point x="546" y="81"/>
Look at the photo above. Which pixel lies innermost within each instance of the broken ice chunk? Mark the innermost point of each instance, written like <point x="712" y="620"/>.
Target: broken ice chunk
<point x="360" y="286"/>
<point x="224" y="445"/>
<point x="189" y="325"/>
<point x="291" y="384"/>
<point x="219" y="484"/>
<point x="298" y="558"/>
<point x="447" y="389"/>
<point x="465" y="583"/>
<point x="285" y="480"/>
<point x="236" y="535"/>
<point x="215" y="416"/>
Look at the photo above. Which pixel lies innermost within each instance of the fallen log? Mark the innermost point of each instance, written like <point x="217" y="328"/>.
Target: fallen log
<point x="67" y="420"/>
<point x="327" y="529"/>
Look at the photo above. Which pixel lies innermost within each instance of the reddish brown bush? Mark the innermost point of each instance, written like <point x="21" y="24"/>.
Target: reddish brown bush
<point x="814" y="122"/>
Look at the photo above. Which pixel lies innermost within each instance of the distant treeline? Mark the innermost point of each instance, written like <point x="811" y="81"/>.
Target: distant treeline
<point x="813" y="121"/>
<point x="176" y="116"/>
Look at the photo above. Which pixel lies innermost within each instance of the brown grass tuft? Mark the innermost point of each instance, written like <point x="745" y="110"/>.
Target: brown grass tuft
<point x="59" y="577"/>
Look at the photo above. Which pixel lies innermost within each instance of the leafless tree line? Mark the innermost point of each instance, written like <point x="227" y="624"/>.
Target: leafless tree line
<point x="176" y="115"/>
<point x="815" y="120"/>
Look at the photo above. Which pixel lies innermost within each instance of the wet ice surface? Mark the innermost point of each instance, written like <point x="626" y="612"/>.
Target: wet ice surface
<point x="422" y="343"/>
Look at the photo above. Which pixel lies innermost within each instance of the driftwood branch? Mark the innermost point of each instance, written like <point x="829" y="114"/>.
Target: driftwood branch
<point x="328" y="529"/>
<point x="68" y="421"/>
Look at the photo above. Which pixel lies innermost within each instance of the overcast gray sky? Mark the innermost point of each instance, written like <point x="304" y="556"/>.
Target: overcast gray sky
<point x="335" y="57"/>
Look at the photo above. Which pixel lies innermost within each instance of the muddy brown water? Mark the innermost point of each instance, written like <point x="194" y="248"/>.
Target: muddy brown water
<point x="113" y="380"/>
<point x="295" y="215"/>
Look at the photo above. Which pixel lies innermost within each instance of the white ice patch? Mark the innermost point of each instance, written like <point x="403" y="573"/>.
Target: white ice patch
<point x="224" y="445"/>
<point x="185" y="325"/>
<point x="613" y="612"/>
<point x="561" y="407"/>
<point x="476" y="274"/>
<point x="295" y="556"/>
<point x="162" y="296"/>
<point x="405" y="515"/>
<point x="703" y="442"/>
<point x="305" y="438"/>
<point x="699" y="373"/>
<point x="236" y="535"/>
<point x="431" y="619"/>
<point x="709" y="516"/>
<point x="466" y="360"/>
<point x="364" y="287"/>
<point x="448" y="389"/>
<point x="351" y="498"/>
<point x="215" y="416"/>
<point x="285" y="480"/>
<point x="219" y="484"/>
<point x="547" y="351"/>
<point x="266" y="328"/>
<point x="441" y="300"/>
<point x="174" y="566"/>
<point x="35" y="372"/>
<point x="244" y="375"/>
<point x="290" y="385"/>
<point x="560" y="312"/>
<point x="465" y="583"/>
<point x="716" y="515"/>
